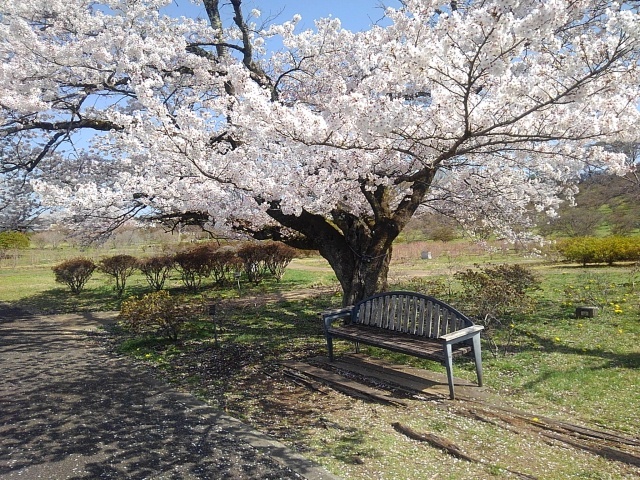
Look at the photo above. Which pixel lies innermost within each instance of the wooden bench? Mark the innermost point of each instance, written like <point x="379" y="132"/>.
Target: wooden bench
<point x="409" y="323"/>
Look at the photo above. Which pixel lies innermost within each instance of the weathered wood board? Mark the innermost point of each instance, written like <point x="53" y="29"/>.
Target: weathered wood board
<point x="343" y="384"/>
<point x="473" y="402"/>
<point x="411" y="379"/>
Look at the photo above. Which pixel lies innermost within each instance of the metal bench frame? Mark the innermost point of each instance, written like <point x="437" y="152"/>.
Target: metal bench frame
<point x="409" y="323"/>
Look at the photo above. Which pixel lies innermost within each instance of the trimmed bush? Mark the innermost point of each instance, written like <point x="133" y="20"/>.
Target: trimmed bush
<point x="194" y="265"/>
<point x="156" y="270"/>
<point x="224" y="262"/>
<point x="582" y="250"/>
<point x="158" y="313"/>
<point x="277" y="257"/>
<point x="120" y="267"/>
<point x="253" y="258"/>
<point x="74" y="273"/>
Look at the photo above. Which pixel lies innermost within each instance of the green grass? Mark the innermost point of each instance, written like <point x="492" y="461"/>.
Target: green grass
<point x="17" y="284"/>
<point x="34" y="288"/>
<point x="589" y="365"/>
<point x="582" y="370"/>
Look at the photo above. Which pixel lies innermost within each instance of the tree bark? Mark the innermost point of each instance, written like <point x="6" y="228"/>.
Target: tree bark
<point x="360" y="262"/>
<point x="358" y="248"/>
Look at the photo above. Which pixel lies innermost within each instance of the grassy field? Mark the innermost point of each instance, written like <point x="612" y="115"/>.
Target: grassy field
<point x="582" y="370"/>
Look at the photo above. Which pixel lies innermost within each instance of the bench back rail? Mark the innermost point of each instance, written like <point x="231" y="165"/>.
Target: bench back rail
<point x="408" y="312"/>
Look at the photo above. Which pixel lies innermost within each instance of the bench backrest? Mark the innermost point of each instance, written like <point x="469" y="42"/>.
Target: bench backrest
<point x="409" y="312"/>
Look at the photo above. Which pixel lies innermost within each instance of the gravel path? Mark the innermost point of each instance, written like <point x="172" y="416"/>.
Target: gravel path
<point x="69" y="410"/>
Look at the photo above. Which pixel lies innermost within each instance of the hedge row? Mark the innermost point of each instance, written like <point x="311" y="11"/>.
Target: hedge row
<point x="223" y="264"/>
<point x="10" y="240"/>
<point x="608" y="250"/>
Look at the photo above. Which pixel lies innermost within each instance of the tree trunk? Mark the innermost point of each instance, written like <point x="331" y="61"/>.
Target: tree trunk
<point x="360" y="260"/>
<point x="365" y="276"/>
<point x="358" y="248"/>
<point x="358" y="254"/>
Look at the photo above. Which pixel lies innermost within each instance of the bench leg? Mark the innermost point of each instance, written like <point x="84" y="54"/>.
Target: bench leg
<point x="330" y="347"/>
<point x="477" y="355"/>
<point x="357" y="347"/>
<point x="448" y="363"/>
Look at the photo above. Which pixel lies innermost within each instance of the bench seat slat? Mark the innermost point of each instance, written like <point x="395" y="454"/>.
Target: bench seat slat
<point x="396" y="341"/>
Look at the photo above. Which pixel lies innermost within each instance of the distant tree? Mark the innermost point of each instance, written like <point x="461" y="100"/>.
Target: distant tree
<point x="434" y="226"/>
<point x="624" y="219"/>
<point x="53" y="237"/>
<point x="11" y="243"/>
<point x="575" y="221"/>
<point x="120" y="267"/>
<point x="74" y="273"/>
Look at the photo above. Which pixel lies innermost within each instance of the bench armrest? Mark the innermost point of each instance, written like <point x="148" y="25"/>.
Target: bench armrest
<point x="462" y="334"/>
<point x="330" y="316"/>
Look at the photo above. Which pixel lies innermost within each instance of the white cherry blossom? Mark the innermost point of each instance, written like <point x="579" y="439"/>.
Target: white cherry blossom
<point x="483" y="110"/>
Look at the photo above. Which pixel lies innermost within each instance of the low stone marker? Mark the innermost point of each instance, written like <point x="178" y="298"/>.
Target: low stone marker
<point x="586" y="312"/>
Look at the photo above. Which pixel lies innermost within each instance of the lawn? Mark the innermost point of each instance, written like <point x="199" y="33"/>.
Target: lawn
<point x="581" y="370"/>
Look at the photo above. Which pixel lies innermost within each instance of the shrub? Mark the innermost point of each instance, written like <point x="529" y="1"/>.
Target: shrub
<point x="435" y="287"/>
<point x="224" y="262"/>
<point x="497" y="290"/>
<point x="625" y="248"/>
<point x="120" y="267"/>
<point x="158" y="313"/>
<point x="74" y="273"/>
<point x="14" y="240"/>
<point x="608" y="250"/>
<point x="156" y="270"/>
<point x="492" y="293"/>
<point x="276" y="257"/>
<point x="253" y="258"/>
<point x="582" y="250"/>
<point x="194" y="265"/>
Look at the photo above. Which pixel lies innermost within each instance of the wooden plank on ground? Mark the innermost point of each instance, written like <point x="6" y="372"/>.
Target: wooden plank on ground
<point x="477" y="403"/>
<point x="435" y="441"/>
<point x="611" y="445"/>
<point x="411" y="379"/>
<point x="401" y="380"/>
<point x="343" y="384"/>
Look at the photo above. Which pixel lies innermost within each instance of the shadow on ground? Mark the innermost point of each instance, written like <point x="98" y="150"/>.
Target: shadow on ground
<point x="71" y="411"/>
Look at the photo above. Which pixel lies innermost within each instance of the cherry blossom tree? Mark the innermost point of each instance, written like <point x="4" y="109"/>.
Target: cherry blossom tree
<point x="19" y="207"/>
<point x="485" y="111"/>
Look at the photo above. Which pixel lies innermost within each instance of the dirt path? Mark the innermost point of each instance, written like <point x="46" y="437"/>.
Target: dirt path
<point x="70" y="410"/>
<point x="285" y="296"/>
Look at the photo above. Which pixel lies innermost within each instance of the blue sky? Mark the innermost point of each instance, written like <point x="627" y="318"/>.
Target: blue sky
<point x="354" y="14"/>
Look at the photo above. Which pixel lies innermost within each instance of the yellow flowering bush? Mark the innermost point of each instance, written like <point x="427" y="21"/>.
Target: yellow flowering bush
<point x="158" y="313"/>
